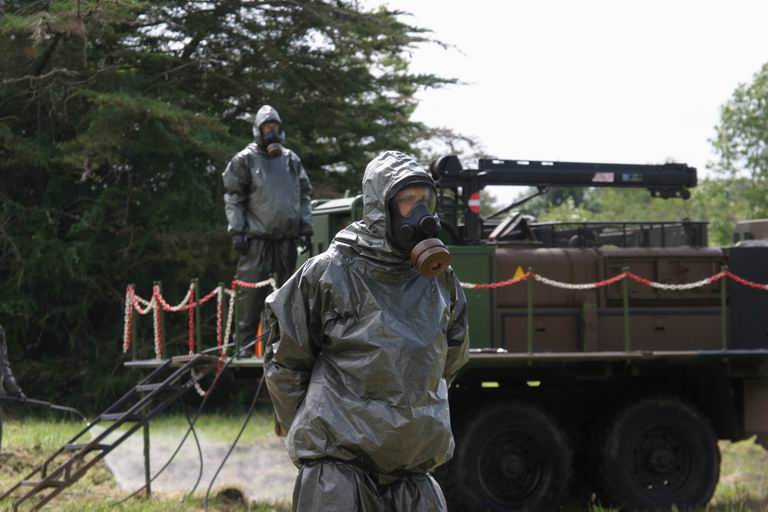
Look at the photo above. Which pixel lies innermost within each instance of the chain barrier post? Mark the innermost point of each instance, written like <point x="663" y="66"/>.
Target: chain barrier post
<point x="724" y="307"/>
<point x="222" y="307"/>
<point x="134" y="350"/>
<point x="625" y="300"/>
<point x="233" y="302"/>
<point x="134" y="314"/>
<point x="530" y="310"/>
<point x="147" y="469"/>
<point x="161" y="313"/>
<point x="198" y="310"/>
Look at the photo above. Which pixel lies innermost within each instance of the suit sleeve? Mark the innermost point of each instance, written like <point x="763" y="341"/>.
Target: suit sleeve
<point x="305" y="198"/>
<point x="292" y="314"/>
<point x="458" y="331"/>
<point x="236" y="190"/>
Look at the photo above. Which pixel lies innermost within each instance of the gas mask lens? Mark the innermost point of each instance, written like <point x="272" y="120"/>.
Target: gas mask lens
<point x="407" y="199"/>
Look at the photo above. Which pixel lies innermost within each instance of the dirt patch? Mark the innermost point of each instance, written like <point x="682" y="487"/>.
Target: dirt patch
<point x="260" y="468"/>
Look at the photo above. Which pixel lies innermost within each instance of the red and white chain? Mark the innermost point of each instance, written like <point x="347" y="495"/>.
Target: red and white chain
<point x="577" y="286"/>
<point x="138" y="302"/>
<point x="744" y="282"/>
<point x="181" y="306"/>
<point x="617" y="278"/>
<point x="261" y="284"/>
<point x="676" y="287"/>
<point x="230" y="315"/>
<point x="498" y="284"/>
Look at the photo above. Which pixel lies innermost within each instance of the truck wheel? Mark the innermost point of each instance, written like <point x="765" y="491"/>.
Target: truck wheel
<point x="513" y="457"/>
<point x="659" y="453"/>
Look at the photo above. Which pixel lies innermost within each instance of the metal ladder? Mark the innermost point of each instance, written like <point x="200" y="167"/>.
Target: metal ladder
<point x="150" y="397"/>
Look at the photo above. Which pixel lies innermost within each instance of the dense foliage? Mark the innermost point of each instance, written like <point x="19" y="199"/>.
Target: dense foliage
<point x="116" y="120"/>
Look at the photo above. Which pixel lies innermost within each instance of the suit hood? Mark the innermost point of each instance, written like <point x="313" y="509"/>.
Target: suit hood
<point x="384" y="176"/>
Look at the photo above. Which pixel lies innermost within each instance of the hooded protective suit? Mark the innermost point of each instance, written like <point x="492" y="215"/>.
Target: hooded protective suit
<point x="361" y="352"/>
<point x="267" y="200"/>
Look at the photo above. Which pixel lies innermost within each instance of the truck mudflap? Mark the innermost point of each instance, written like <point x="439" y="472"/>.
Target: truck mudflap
<point x="756" y="410"/>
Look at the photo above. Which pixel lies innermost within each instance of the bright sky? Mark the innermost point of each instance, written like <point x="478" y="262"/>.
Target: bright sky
<point x="588" y="80"/>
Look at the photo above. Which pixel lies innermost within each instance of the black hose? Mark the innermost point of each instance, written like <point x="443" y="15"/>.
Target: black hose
<point x="200" y="463"/>
<point x="42" y="403"/>
<point x="39" y="403"/>
<point x="194" y="420"/>
<point x="234" y="443"/>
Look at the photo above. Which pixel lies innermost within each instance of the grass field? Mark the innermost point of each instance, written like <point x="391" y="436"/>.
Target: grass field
<point x="743" y="484"/>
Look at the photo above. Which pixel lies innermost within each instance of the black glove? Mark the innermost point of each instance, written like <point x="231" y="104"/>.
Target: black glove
<point x="20" y="395"/>
<point x="241" y="243"/>
<point x="306" y="243"/>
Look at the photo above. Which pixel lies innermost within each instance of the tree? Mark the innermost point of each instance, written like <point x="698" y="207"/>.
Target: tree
<point x="117" y="118"/>
<point x="741" y="142"/>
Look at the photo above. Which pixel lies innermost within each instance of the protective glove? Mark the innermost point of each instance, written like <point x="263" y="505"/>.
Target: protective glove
<point x="306" y="243"/>
<point x="240" y="243"/>
<point x="20" y="395"/>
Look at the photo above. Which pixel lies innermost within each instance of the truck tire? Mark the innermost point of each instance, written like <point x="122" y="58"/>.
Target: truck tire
<point x="659" y="453"/>
<point x="451" y="486"/>
<point x="513" y="457"/>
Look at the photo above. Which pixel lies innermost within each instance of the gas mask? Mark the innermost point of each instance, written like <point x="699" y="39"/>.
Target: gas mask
<point x="271" y="142"/>
<point x="414" y="228"/>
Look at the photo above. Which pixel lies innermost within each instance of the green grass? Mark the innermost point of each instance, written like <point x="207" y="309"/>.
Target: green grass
<point x="45" y="435"/>
<point x="38" y="434"/>
<point x="219" y="426"/>
<point x="156" y="505"/>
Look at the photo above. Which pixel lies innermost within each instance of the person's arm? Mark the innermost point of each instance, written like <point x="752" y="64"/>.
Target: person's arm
<point x="458" y="330"/>
<point x="236" y="189"/>
<point x="292" y="315"/>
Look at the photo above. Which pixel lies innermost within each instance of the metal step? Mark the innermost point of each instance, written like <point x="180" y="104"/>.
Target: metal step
<point x="197" y="359"/>
<point x="143" y="388"/>
<point x="120" y="416"/>
<point x="46" y="483"/>
<point x="78" y="447"/>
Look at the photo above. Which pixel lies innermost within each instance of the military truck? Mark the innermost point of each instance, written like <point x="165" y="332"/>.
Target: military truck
<point x="619" y="392"/>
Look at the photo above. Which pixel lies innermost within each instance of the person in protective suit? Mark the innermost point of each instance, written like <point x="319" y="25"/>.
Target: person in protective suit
<point x="364" y="342"/>
<point x="267" y="203"/>
<point x="8" y="385"/>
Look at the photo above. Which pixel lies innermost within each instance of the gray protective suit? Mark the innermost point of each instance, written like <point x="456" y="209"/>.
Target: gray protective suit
<point x="267" y="200"/>
<point x="361" y="352"/>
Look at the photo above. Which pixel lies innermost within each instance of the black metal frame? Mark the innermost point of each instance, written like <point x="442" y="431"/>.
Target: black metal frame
<point x="694" y="233"/>
<point x="664" y="181"/>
